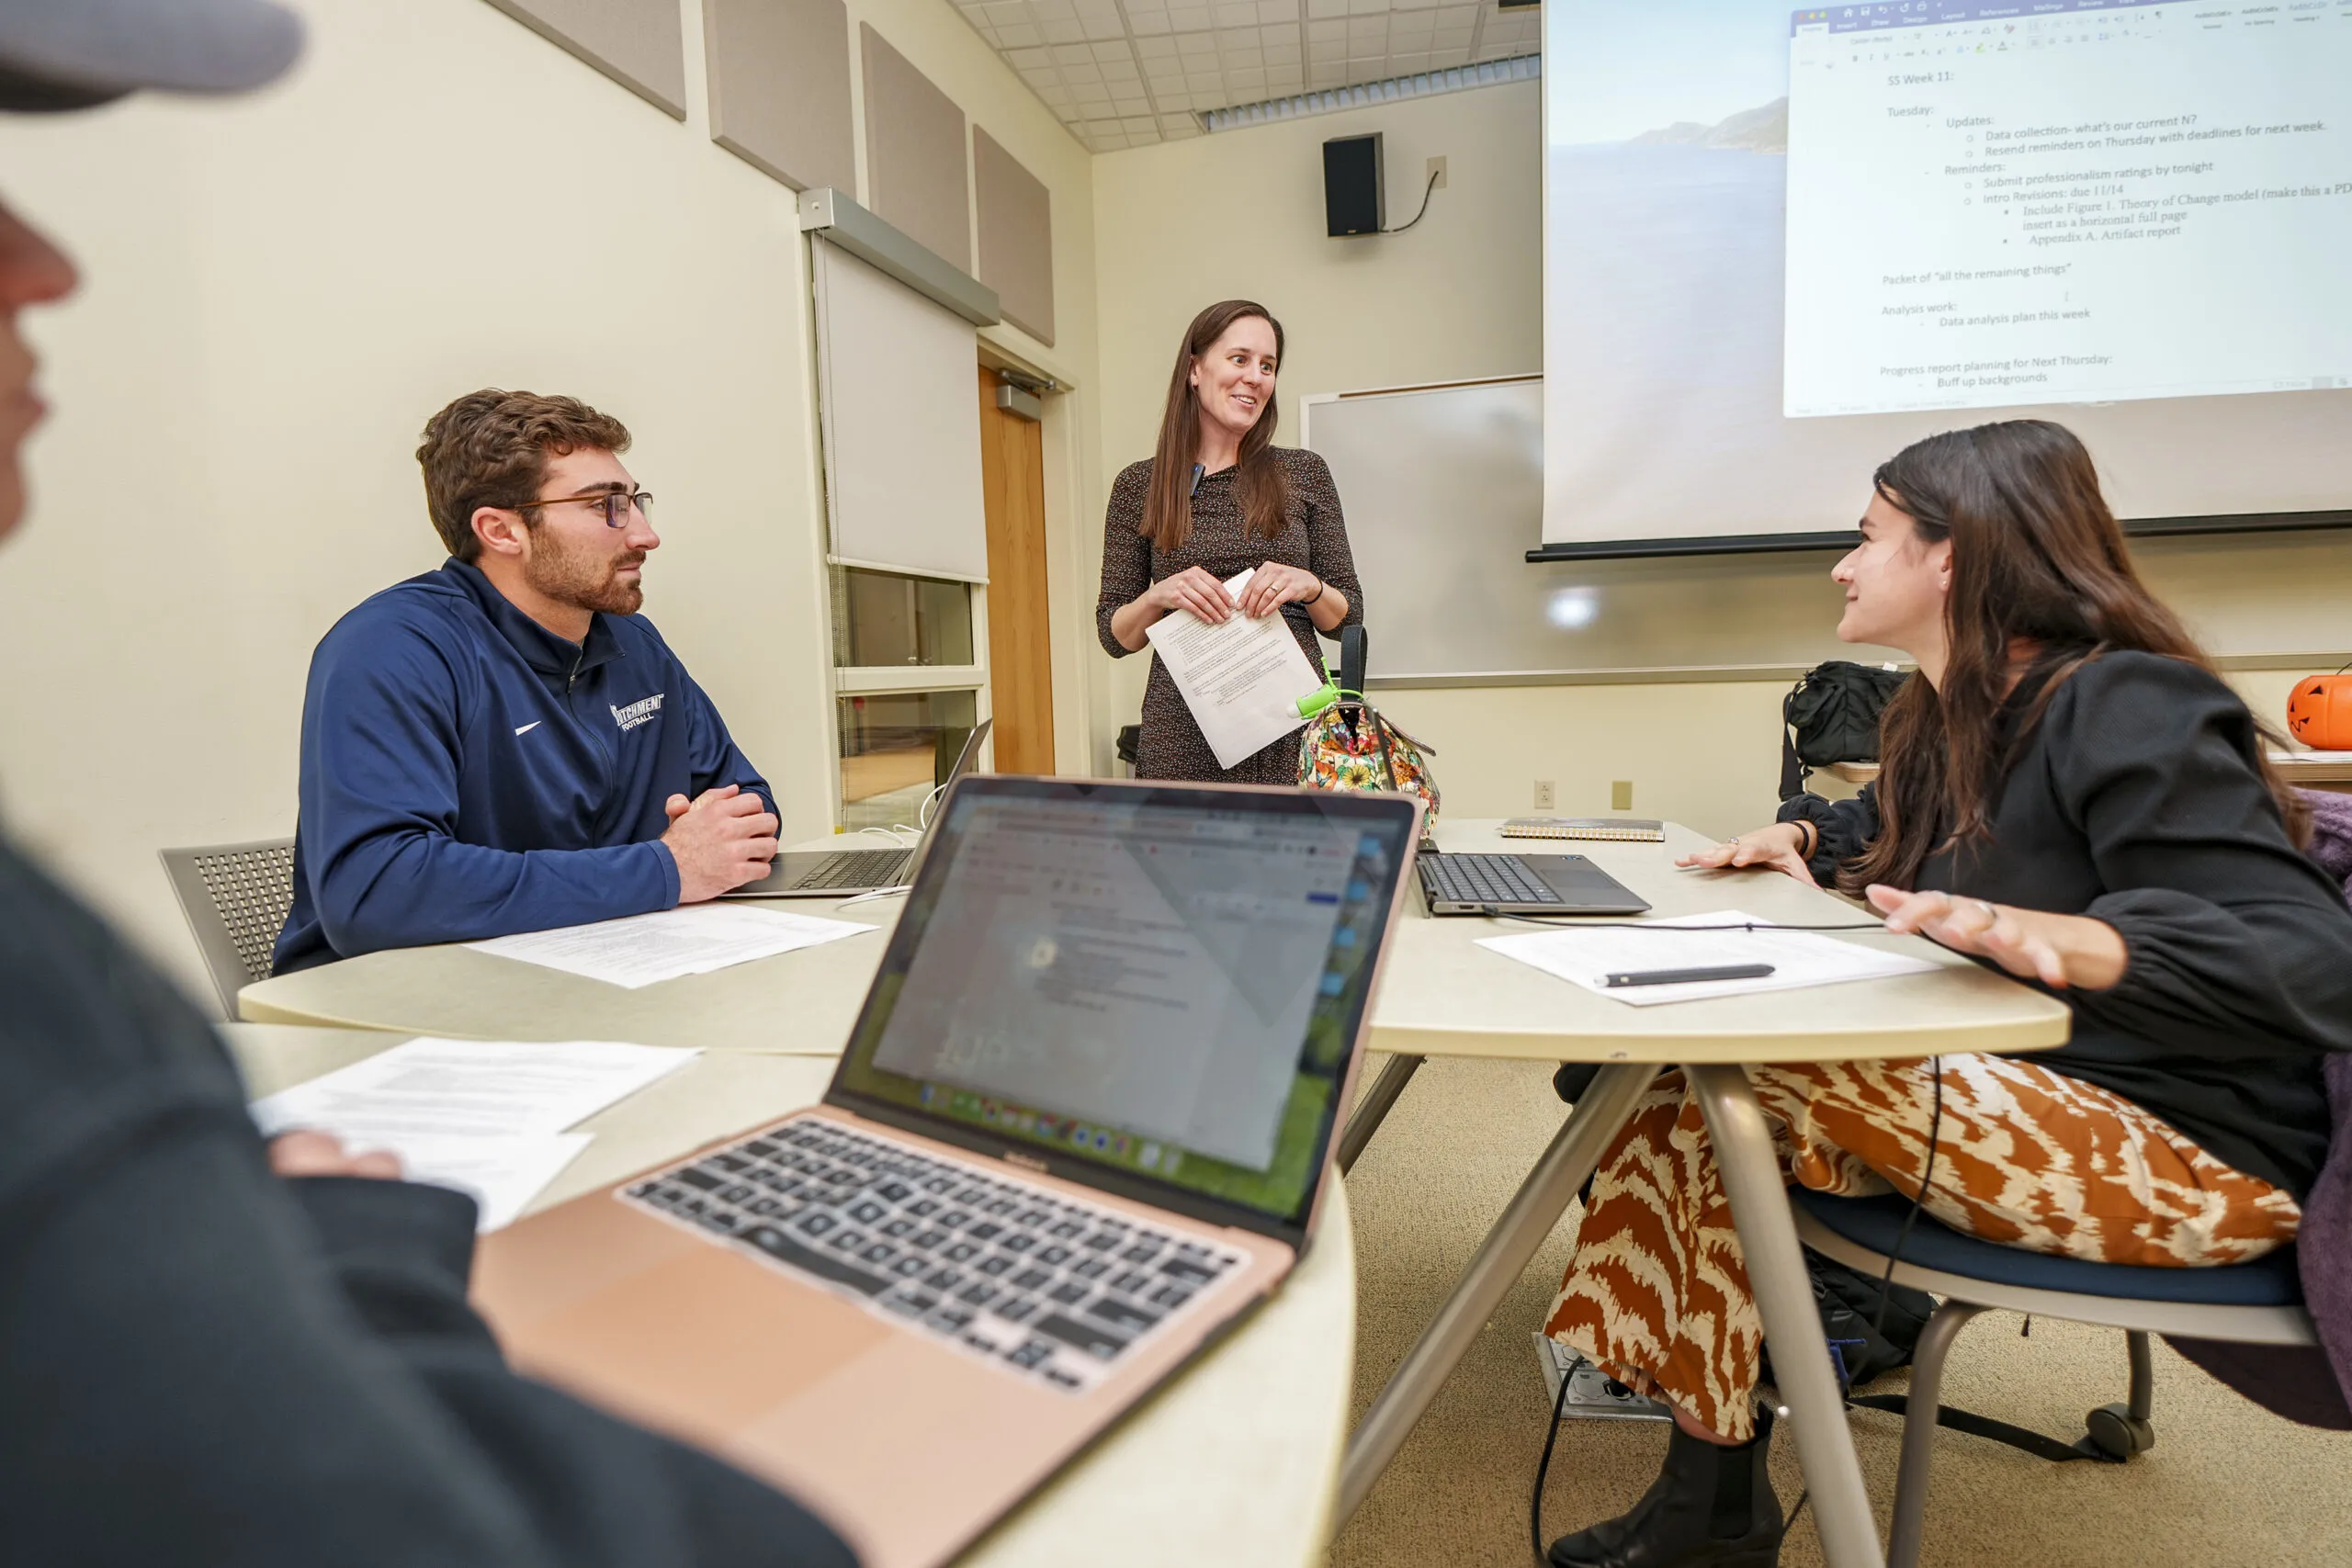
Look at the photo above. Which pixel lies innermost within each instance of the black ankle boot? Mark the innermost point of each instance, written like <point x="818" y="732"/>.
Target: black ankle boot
<point x="1710" y="1507"/>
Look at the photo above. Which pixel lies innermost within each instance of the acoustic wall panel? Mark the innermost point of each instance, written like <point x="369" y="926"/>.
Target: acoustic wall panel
<point x="1016" y="225"/>
<point x="900" y="424"/>
<point x="779" y="89"/>
<point x="915" y="161"/>
<point x="639" y="43"/>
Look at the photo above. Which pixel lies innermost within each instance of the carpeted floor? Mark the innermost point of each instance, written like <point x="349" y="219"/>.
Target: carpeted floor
<point x="2228" y="1485"/>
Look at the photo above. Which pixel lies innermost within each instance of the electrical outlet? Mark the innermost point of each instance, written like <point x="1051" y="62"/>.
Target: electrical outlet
<point x="1545" y="796"/>
<point x="1621" y="795"/>
<point x="1436" y="171"/>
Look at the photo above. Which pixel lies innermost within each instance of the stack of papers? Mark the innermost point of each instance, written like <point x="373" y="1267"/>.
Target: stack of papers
<point x="1242" y="679"/>
<point x="486" y="1117"/>
<point x="642" y="950"/>
<point x="1585" y="956"/>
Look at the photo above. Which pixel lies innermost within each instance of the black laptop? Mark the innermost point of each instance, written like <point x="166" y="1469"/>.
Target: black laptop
<point x="1521" y="885"/>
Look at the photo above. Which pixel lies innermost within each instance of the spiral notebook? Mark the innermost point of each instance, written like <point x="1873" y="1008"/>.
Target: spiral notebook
<point x="1620" y="829"/>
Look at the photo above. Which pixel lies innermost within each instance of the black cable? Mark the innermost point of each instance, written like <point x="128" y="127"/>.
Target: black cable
<point x="1918" y="1201"/>
<point x="1425" y="206"/>
<point x="1570" y="924"/>
<point x="1535" y="1503"/>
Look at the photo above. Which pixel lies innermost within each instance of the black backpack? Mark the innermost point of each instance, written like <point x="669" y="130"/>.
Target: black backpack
<point x="1832" y="715"/>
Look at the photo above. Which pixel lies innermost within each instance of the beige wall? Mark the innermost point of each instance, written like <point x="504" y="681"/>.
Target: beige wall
<point x="1186" y="223"/>
<point x="279" y="290"/>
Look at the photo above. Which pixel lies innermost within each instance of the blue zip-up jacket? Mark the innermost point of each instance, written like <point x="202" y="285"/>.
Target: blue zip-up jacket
<point x="467" y="773"/>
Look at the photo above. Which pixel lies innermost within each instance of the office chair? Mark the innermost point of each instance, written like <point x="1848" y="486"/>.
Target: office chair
<point x="235" y="897"/>
<point x="2253" y="1304"/>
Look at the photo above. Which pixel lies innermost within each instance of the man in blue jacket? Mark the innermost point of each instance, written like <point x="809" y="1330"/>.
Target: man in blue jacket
<point x="504" y="745"/>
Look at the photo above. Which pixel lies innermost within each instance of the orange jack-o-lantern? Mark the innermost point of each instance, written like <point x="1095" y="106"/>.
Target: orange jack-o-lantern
<point x="2319" y="712"/>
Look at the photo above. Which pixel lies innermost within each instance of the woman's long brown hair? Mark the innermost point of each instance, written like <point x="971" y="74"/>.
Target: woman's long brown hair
<point x="2037" y="557"/>
<point x="1265" y="489"/>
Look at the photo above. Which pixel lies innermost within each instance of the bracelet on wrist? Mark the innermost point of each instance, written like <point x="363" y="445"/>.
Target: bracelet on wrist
<point x="1320" y="586"/>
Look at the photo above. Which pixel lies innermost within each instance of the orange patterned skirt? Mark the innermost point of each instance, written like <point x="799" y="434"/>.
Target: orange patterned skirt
<point x="1657" y="1295"/>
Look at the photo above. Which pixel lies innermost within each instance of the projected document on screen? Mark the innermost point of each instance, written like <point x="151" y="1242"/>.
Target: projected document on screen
<point x="1991" y="205"/>
<point x="1781" y="244"/>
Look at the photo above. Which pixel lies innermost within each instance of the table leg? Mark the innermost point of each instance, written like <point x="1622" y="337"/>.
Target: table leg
<point x="1373" y="1109"/>
<point x="1533" y="1209"/>
<point x="1776" y="1273"/>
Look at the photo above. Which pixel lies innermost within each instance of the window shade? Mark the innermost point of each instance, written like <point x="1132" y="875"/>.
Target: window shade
<point x="901" y="425"/>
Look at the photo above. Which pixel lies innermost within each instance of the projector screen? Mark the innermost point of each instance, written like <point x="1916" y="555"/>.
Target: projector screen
<point x="1780" y="244"/>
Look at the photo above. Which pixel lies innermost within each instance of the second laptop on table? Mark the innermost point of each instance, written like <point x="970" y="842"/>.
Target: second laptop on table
<point x="840" y="874"/>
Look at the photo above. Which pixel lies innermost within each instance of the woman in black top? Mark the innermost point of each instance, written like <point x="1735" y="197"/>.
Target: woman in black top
<point x="1216" y="499"/>
<point x="2067" y="792"/>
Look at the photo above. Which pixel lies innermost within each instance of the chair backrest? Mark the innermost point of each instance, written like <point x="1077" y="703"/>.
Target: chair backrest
<point x="235" y="897"/>
<point x="2324" y="1251"/>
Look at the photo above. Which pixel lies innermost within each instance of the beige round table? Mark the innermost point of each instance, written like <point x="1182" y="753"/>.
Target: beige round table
<point x="1440" y="994"/>
<point x="1235" y="1462"/>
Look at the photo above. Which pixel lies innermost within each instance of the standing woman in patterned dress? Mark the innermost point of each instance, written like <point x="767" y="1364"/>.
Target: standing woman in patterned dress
<point x="1219" y="499"/>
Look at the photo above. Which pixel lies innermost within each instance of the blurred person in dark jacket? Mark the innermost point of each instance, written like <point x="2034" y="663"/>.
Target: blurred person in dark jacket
<point x="216" y="1351"/>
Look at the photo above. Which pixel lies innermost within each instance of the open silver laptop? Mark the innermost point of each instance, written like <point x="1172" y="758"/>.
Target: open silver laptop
<point x="847" y="872"/>
<point x="1083" y="1124"/>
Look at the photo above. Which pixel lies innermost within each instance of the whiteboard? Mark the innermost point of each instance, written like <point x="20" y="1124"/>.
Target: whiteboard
<point x="1442" y="490"/>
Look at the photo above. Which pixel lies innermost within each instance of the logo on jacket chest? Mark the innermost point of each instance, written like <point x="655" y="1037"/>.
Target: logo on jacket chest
<point x="638" y="712"/>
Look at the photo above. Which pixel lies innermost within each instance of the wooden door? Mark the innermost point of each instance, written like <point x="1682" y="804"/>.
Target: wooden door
<point x="1020" y="674"/>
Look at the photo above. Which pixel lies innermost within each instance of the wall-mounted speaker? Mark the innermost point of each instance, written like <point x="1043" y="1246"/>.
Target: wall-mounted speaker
<point x="1354" y="195"/>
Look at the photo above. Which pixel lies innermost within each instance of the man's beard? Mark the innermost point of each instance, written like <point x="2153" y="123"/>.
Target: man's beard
<point x="581" y="579"/>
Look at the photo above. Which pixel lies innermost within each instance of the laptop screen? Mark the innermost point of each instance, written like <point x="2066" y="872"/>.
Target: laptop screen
<point x="1160" y="979"/>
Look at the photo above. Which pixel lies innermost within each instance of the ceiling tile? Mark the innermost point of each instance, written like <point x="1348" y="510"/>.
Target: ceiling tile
<point x="1125" y="73"/>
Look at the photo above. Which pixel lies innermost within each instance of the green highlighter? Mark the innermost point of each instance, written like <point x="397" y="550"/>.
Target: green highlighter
<point x="1315" y="700"/>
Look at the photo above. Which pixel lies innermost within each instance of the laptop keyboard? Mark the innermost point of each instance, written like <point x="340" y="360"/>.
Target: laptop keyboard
<point x="1039" y="1284"/>
<point x="857" y="868"/>
<point x="1483" y="879"/>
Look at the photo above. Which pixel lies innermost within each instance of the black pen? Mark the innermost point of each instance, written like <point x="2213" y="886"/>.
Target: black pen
<point x="1677" y="977"/>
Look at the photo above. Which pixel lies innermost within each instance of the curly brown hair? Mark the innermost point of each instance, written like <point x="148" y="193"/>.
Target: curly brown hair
<point x="491" y="448"/>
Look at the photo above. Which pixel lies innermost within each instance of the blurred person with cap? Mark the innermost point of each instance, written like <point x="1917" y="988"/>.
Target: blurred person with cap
<point x="214" y="1350"/>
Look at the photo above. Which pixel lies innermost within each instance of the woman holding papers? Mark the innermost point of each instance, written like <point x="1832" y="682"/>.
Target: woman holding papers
<point x="2068" y="792"/>
<point x="1218" y="498"/>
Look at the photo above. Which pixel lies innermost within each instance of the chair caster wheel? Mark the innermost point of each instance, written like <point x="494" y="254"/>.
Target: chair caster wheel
<point x="2118" y="1434"/>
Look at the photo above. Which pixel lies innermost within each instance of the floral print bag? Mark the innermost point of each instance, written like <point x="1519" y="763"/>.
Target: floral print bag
<point x="1348" y="745"/>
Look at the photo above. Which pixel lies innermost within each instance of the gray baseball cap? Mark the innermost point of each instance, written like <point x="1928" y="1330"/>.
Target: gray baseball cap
<point x="71" y="54"/>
